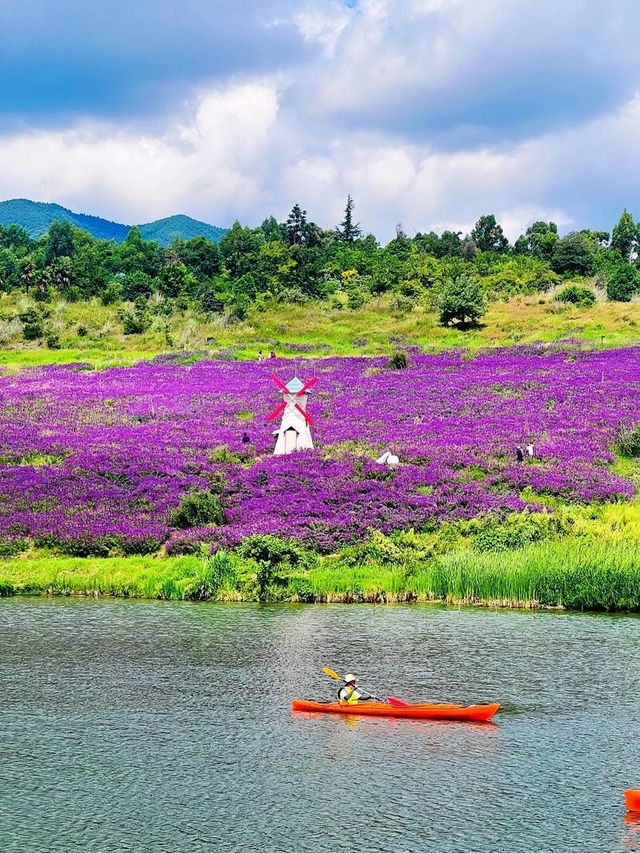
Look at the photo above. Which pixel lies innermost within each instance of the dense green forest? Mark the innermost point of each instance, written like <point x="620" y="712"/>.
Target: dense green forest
<point x="296" y="261"/>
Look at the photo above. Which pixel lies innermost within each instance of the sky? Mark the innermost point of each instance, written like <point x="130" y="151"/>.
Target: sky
<point x="428" y="112"/>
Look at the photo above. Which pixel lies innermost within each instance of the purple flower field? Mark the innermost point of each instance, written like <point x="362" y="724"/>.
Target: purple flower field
<point x="87" y="455"/>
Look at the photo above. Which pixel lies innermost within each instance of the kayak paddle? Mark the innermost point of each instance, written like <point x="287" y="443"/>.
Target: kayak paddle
<point x="392" y="700"/>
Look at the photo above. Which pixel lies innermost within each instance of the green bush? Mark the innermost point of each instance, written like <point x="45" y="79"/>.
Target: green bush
<point x="32" y="324"/>
<point x="398" y="361"/>
<point x="577" y="295"/>
<point x="12" y="547"/>
<point x="273" y="551"/>
<point x="134" y="322"/>
<point x="90" y="546"/>
<point x="622" y="283"/>
<point x="53" y="340"/>
<point x="628" y="440"/>
<point x="276" y="560"/>
<point x="462" y="302"/>
<point x="197" y="509"/>
<point x="112" y="293"/>
<point x="516" y="530"/>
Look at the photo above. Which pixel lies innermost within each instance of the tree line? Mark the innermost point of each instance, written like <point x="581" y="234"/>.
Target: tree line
<point x="297" y="260"/>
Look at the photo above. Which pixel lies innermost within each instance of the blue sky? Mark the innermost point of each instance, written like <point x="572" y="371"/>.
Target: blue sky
<point x="429" y="112"/>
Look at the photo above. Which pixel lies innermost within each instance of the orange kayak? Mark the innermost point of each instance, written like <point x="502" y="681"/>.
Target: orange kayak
<point x="473" y="713"/>
<point x="632" y="799"/>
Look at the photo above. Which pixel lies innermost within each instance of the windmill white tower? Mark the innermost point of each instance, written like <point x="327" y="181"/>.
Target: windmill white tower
<point x="293" y="433"/>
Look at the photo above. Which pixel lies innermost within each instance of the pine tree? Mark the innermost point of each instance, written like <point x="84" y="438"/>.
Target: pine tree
<point x="347" y="231"/>
<point x="624" y="237"/>
<point x="296" y="226"/>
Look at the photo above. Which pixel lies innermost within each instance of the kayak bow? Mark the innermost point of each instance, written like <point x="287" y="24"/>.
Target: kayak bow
<point x="632" y="799"/>
<point x="472" y="713"/>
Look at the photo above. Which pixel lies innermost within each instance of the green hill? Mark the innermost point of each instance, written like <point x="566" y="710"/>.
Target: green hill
<point x="165" y="231"/>
<point x="36" y="218"/>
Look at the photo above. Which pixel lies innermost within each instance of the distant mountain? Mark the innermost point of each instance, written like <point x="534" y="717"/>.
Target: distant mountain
<point x="165" y="231"/>
<point x="36" y="217"/>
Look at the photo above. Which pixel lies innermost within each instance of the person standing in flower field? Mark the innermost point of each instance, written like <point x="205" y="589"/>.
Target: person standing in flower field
<point x="519" y="454"/>
<point x="530" y="451"/>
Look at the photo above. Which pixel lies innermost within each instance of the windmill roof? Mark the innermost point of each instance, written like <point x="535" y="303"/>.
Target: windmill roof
<point x="294" y="385"/>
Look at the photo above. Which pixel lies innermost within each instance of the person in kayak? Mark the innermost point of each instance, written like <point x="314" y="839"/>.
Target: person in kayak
<point x="350" y="693"/>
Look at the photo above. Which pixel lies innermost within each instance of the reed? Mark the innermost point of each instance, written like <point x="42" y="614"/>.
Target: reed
<point x="582" y="572"/>
<point x="576" y="574"/>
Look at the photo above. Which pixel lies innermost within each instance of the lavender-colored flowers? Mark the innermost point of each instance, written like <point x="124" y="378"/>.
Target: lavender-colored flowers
<point x="106" y="456"/>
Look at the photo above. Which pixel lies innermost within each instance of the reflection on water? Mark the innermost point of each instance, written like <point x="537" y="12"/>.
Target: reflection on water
<point x="167" y="727"/>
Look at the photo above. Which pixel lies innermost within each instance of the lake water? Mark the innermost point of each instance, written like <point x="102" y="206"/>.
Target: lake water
<point x="137" y="726"/>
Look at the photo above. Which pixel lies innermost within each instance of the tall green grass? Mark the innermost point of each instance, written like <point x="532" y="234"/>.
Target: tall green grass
<point x="573" y="573"/>
<point x="127" y="577"/>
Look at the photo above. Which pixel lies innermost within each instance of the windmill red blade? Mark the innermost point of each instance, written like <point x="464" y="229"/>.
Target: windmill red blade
<point x="306" y="386"/>
<point x="276" y="411"/>
<point x="280" y="384"/>
<point x="307" y="416"/>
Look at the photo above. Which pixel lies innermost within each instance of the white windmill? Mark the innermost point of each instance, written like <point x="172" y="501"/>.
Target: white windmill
<point x="293" y="433"/>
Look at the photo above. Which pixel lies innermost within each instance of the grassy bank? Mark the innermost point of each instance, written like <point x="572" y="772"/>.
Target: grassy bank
<point x="577" y="572"/>
<point x="92" y="332"/>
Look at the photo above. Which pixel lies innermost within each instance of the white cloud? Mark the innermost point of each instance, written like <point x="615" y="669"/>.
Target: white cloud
<point x="212" y="166"/>
<point x="323" y="23"/>
<point x="242" y="151"/>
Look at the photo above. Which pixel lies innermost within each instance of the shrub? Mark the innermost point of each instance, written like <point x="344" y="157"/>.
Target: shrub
<point x="218" y="572"/>
<point x="577" y="295"/>
<point x="402" y="305"/>
<point x="53" y="340"/>
<point x="139" y="545"/>
<point x="197" y="509"/>
<point x="273" y="551"/>
<point x="134" y="322"/>
<point x="32" y="325"/>
<point x="12" y="547"/>
<point x="108" y="545"/>
<point x="90" y="546"/>
<point x="112" y="293"/>
<point x="622" y="283"/>
<point x="462" y="302"/>
<point x="211" y="302"/>
<point x="517" y="530"/>
<point x="356" y="299"/>
<point x="239" y="308"/>
<point x="628" y="440"/>
<point x="398" y="360"/>
<point x="276" y="559"/>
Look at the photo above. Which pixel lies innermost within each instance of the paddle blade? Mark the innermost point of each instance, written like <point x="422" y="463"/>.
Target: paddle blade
<point x="331" y="673"/>
<point x="397" y="703"/>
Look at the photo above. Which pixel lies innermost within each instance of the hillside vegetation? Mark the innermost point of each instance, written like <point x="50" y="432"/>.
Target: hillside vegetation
<point x="295" y="288"/>
<point x="36" y="218"/>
